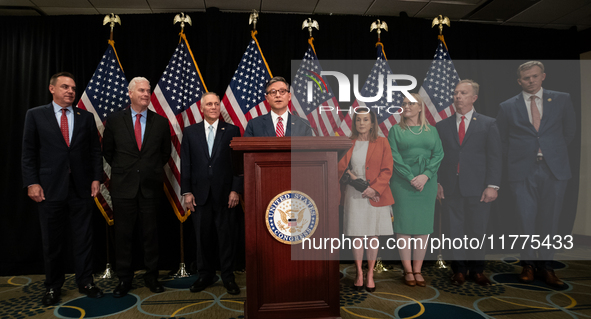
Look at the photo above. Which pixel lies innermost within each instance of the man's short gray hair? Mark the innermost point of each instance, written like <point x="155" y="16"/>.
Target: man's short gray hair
<point x="475" y="86"/>
<point x="134" y="82"/>
<point x="209" y="93"/>
<point x="528" y="65"/>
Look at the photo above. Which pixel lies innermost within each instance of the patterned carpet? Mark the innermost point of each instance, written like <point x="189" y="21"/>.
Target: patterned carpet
<point x="20" y="297"/>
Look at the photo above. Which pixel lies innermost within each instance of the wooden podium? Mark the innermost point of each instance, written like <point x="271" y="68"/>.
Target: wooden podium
<point x="278" y="286"/>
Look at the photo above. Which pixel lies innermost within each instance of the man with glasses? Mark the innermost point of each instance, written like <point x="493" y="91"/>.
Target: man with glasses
<point x="279" y="122"/>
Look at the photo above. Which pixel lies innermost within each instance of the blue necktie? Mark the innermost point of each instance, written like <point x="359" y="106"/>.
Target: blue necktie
<point x="210" y="139"/>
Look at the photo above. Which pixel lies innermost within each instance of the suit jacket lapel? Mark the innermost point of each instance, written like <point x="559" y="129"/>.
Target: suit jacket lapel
<point x="218" y="137"/>
<point x="549" y="109"/>
<point x="452" y="128"/>
<point x="76" y="130"/>
<point x="269" y="126"/>
<point x="202" y="138"/>
<point x="471" y="128"/>
<point x="149" y="125"/>
<point x="288" y="124"/>
<point x="370" y="148"/>
<point x="129" y="124"/>
<point x="53" y="124"/>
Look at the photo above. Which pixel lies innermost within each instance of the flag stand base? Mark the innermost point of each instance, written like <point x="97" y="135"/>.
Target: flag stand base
<point x="440" y="263"/>
<point x="182" y="272"/>
<point x="108" y="273"/>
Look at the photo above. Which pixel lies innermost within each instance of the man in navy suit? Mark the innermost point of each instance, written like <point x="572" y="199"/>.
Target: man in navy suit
<point x="536" y="126"/>
<point x="210" y="184"/>
<point x="469" y="178"/>
<point x="136" y="143"/>
<point x="62" y="168"/>
<point x="279" y="122"/>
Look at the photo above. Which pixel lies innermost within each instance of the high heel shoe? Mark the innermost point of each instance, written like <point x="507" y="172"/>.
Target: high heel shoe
<point x="420" y="283"/>
<point x="358" y="288"/>
<point x="411" y="283"/>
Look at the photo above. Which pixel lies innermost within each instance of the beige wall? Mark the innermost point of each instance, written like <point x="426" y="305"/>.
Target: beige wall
<point x="583" y="219"/>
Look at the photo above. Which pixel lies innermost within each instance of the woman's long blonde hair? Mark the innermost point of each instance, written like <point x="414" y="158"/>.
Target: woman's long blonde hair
<point x="422" y="120"/>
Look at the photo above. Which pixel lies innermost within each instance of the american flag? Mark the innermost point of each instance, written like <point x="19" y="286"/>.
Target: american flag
<point x="386" y="112"/>
<point x="438" y="87"/>
<point x="177" y="96"/>
<point x="245" y="96"/>
<point x="106" y="93"/>
<point x="325" y="121"/>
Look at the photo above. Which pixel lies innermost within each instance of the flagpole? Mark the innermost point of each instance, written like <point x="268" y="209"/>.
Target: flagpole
<point x="108" y="273"/>
<point x="440" y="21"/>
<point x="182" y="272"/>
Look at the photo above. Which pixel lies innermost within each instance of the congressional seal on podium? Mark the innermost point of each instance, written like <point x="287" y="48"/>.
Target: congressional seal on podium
<point x="291" y="216"/>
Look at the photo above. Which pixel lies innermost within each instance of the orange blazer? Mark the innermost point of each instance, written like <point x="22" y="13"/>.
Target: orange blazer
<point x="378" y="170"/>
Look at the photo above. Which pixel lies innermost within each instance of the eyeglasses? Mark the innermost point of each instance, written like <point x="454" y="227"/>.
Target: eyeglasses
<point x="275" y="92"/>
<point x="405" y="104"/>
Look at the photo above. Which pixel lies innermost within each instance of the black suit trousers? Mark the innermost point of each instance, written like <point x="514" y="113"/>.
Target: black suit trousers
<point x="55" y="217"/>
<point x="539" y="203"/>
<point x="466" y="216"/>
<point x="139" y="214"/>
<point x="215" y="221"/>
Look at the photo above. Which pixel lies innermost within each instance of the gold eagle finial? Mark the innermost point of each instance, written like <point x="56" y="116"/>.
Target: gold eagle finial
<point x="310" y="24"/>
<point x="440" y="20"/>
<point x="378" y="25"/>
<point x="182" y="18"/>
<point x="253" y="18"/>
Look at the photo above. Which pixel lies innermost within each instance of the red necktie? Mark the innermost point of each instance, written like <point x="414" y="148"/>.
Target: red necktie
<point x="462" y="130"/>
<point x="280" y="131"/>
<point x="461" y="134"/>
<point x="64" y="126"/>
<point x="138" y="131"/>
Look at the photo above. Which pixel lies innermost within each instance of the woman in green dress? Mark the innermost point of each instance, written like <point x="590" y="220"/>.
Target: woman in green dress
<point x="417" y="153"/>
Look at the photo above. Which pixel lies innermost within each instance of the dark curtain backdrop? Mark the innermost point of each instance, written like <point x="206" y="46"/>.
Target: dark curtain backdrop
<point x="34" y="48"/>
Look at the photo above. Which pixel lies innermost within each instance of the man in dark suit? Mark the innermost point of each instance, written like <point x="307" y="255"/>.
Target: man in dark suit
<point x="536" y="126"/>
<point x="279" y="122"/>
<point x="469" y="178"/>
<point x="210" y="183"/>
<point x="136" y="143"/>
<point x="62" y="168"/>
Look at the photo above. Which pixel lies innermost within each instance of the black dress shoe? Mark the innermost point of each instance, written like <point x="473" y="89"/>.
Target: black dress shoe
<point x="122" y="289"/>
<point x="232" y="287"/>
<point x="480" y="279"/>
<point x="91" y="291"/>
<point x="154" y="285"/>
<point x="458" y="279"/>
<point x="51" y="296"/>
<point x="527" y="274"/>
<point x="201" y="284"/>
<point x="358" y="288"/>
<point x="549" y="277"/>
